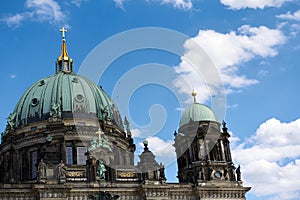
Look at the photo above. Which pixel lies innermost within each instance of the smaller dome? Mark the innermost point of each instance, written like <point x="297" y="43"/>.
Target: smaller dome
<point x="197" y="112"/>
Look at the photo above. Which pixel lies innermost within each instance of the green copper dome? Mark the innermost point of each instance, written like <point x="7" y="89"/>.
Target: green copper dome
<point x="64" y="95"/>
<point x="197" y="112"/>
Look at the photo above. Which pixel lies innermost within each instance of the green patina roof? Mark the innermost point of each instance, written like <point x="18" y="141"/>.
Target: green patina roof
<point x="197" y="112"/>
<point x="63" y="95"/>
<point x="71" y="93"/>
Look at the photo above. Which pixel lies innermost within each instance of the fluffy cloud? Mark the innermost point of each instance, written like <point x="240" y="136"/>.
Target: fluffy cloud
<point x="261" y="4"/>
<point x="180" y="4"/>
<point x="38" y="10"/>
<point x="227" y="52"/>
<point x="290" y="16"/>
<point x="136" y="133"/>
<point x="14" y="20"/>
<point x="270" y="160"/>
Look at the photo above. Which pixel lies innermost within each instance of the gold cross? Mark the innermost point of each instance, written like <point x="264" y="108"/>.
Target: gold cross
<point x="63" y="30"/>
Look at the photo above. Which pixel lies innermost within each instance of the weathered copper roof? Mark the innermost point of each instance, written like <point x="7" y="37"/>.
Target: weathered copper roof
<point x="63" y="94"/>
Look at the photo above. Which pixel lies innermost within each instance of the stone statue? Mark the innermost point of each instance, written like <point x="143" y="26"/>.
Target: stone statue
<point x="105" y="113"/>
<point x="11" y="120"/>
<point x="102" y="142"/>
<point x="101" y="170"/>
<point x="127" y="124"/>
<point x="162" y="176"/>
<point x="224" y="127"/>
<point x="61" y="172"/>
<point x="238" y="173"/>
<point x="55" y="112"/>
<point x="224" y="124"/>
<point x="105" y="143"/>
<point x="49" y="139"/>
<point x="42" y="172"/>
<point x="175" y="133"/>
<point x="94" y="145"/>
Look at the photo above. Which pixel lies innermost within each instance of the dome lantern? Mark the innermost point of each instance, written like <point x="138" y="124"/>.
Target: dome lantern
<point x="64" y="63"/>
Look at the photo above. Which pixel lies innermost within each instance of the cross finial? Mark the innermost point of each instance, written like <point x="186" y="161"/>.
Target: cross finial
<point x="63" y="30"/>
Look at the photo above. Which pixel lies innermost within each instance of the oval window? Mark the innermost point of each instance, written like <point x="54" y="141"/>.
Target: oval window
<point x="42" y="82"/>
<point x="75" y="80"/>
<point x="79" y="98"/>
<point x="34" y="102"/>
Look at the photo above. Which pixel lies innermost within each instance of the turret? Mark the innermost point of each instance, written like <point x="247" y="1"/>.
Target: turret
<point x="203" y="152"/>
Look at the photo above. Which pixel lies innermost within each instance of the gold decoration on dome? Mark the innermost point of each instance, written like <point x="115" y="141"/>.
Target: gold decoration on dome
<point x="64" y="54"/>
<point x="194" y="94"/>
<point x="64" y="62"/>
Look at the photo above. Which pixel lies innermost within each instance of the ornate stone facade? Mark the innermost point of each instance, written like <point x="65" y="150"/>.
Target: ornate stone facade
<point x="65" y="141"/>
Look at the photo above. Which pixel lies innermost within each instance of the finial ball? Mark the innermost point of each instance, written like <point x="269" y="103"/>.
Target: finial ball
<point x="194" y="93"/>
<point x="145" y="142"/>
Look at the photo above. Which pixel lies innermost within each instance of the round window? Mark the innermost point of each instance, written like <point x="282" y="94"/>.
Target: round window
<point x="79" y="98"/>
<point x="75" y="80"/>
<point x="218" y="174"/>
<point x="34" y="102"/>
<point x="42" y="82"/>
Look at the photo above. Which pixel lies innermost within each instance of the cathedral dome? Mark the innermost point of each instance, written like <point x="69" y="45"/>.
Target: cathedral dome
<point x="66" y="95"/>
<point x="197" y="112"/>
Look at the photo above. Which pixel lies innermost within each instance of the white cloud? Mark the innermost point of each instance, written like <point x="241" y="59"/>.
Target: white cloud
<point x="295" y="28"/>
<point x="261" y="4"/>
<point x="233" y="106"/>
<point x="179" y="4"/>
<point x="78" y="2"/>
<point x="38" y="10"/>
<point x="274" y="132"/>
<point x="12" y="76"/>
<point x="263" y="72"/>
<point x="234" y="140"/>
<point x="290" y="16"/>
<point x="14" y="21"/>
<point x="120" y="3"/>
<point x="270" y="160"/>
<point x="228" y="52"/>
<point x="136" y="133"/>
<point x="164" y="151"/>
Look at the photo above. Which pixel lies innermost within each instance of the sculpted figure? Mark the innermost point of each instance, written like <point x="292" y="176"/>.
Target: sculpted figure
<point x="11" y="120"/>
<point x="94" y="145"/>
<point x="238" y="173"/>
<point x="55" y="112"/>
<point x="61" y="172"/>
<point x="42" y="172"/>
<point x="101" y="170"/>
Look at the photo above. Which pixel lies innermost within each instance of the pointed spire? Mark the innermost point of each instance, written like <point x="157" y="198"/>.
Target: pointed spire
<point x="194" y="94"/>
<point x="127" y="124"/>
<point x="64" y="62"/>
<point x="224" y="128"/>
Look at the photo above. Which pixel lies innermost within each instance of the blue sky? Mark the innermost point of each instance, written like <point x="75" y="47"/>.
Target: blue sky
<point x="254" y="46"/>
